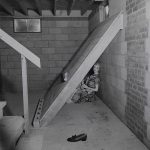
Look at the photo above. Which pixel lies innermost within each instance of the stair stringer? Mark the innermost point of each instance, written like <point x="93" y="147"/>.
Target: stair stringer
<point x="82" y="70"/>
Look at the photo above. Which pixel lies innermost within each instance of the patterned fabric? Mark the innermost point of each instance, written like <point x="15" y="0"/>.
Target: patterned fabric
<point x="92" y="81"/>
<point x="83" y="94"/>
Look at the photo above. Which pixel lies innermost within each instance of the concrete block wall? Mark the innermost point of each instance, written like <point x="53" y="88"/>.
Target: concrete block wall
<point x="137" y="67"/>
<point x="125" y="77"/>
<point x="55" y="45"/>
<point x="96" y="17"/>
<point x="113" y="75"/>
<point x="113" y="72"/>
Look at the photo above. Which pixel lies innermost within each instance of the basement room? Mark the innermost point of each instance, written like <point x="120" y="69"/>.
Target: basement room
<point x="74" y="74"/>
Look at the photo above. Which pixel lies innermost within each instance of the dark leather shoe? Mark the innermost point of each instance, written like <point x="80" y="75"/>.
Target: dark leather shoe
<point x="76" y="138"/>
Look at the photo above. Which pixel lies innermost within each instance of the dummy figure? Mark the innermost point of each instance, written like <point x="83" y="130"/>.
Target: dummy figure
<point x="87" y="88"/>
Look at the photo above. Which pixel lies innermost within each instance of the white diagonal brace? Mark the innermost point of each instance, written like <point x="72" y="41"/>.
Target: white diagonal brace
<point x="20" y="48"/>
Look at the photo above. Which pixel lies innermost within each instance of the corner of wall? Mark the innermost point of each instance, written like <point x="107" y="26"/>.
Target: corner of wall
<point x="125" y="85"/>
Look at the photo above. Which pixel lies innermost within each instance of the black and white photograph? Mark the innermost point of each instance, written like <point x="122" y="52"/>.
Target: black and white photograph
<point x="74" y="74"/>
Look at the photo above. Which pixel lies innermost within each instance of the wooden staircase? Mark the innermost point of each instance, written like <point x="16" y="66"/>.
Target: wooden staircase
<point x="88" y="53"/>
<point x="26" y="54"/>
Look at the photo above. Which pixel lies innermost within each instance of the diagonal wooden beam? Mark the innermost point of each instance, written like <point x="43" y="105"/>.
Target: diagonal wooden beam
<point x="70" y="5"/>
<point x="8" y="9"/>
<point x="85" y="8"/>
<point x="80" y="65"/>
<point x="54" y="7"/>
<point x="19" y="48"/>
<point x="38" y="7"/>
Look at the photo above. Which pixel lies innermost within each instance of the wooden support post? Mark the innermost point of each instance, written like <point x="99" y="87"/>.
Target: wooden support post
<point x="101" y="13"/>
<point x="2" y="105"/>
<point x="25" y="92"/>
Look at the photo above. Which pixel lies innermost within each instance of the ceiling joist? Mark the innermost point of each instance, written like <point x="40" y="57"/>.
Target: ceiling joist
<point x="86" y="7"/>
<point x="23" y="11"/>
<point x="102" y="2"/>
<point x="8" y="9"/>
<point x="38" y="7"/>
<point x="21" y="8"/>
<point x="54" y="7"/>
<point x="70" y="6"/>
<point x="99" y="0"/>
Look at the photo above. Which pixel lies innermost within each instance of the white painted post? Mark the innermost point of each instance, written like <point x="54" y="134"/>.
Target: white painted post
<point x="2" y="105"/>
<point x="25" y="92"/>
<point x="101" y="13"/>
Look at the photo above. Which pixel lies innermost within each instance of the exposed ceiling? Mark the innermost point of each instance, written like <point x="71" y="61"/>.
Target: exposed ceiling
<point x="7" y="7"/>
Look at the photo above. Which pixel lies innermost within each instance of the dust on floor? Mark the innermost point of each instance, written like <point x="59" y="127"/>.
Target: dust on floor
<point x="104" y="131"/>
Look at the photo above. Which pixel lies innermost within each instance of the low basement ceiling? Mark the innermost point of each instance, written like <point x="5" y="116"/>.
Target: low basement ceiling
<point x="7" y="7"/>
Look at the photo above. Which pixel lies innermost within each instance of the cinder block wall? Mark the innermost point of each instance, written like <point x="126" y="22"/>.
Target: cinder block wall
<point x="125" y="77"/>
<point x="55" y="45"/>
<point x="96" y="17"/>
<point x="137" y="84"/>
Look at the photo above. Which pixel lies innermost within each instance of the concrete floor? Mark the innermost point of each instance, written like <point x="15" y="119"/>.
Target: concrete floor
<point x="104" y="130"/>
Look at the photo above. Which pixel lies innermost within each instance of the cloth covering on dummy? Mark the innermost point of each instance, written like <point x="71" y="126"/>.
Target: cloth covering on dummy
<point x="85" y="92"/>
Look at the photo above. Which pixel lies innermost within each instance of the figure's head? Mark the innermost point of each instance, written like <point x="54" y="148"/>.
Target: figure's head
<point x="96" y="68"/>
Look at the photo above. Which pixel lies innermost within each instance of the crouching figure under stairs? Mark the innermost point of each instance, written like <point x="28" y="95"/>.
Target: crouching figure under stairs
<point x="85" y="92"/>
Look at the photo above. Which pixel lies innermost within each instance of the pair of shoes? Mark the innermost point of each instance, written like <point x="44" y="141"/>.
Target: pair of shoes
<point x="76" y="138"/>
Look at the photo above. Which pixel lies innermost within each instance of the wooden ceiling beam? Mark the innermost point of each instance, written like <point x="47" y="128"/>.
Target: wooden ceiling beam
<point x="105" y="2"/>
<point x="99" y="0"/>
<point x="85" y="8"/>
<point x="102" y="2"/>
<point x="6" y="7"/>
<point x="54" y="7"/>
<point x="23" y="11"/>
<point x="70" y="6"/>
<point x="38" y="7"/>
<point x="21" y="7"/>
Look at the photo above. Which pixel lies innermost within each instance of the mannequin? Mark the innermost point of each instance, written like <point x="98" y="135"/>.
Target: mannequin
<point x="87" y="87"/>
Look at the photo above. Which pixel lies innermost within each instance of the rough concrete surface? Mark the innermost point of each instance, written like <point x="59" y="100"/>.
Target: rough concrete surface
<point x="104" y="131"/>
